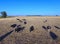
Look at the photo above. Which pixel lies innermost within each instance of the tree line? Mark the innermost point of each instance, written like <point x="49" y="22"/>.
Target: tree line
<point x="3" y="14"/>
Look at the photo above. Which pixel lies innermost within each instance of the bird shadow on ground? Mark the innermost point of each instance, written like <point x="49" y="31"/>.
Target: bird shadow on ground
<point x="53" y="35"/>
<point x="5" y="35"/>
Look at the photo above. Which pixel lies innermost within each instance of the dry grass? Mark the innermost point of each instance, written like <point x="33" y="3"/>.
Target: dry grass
<point x="38" y="36"/>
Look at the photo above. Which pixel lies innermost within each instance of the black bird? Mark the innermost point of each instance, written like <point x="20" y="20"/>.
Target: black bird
<point x="44" y="27"/>
<point x="19" y="20"/>
<point x="25" y="22"/>
<point x="48" y="27"/>
<point x="19" y="29"/>
<point x="31" y="28"/>
<point x="18" y="25"/>
<point x="57" y="27"/>
<point x="13" y="25"/>
<point x="53" y="35"/>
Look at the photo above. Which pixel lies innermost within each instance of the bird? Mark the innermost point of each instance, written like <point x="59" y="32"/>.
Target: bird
<point x="48" y="27"/>
<point x="57" y="27"/>
<point x="19" y="20"/>
<point x="25" y="22"/>
<point x="18" y="25"/>
<point x="19" y="29"/>
<point x="13" y="25"/>
<point x="44" y="27"/>
<point x="31" y="28"/>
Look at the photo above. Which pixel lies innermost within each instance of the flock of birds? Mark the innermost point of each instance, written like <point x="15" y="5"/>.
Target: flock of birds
<point x="20" y="28"/>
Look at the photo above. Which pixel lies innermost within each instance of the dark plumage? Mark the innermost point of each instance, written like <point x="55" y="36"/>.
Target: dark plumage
<point x="57" y="27"/>
<point x="25" y="22"/>
<point x="44" y="27"/>
<point x="31" y="28"/>
<point x="19" y="29"/>
<point x="53" y="35"/>
<point x="19" y="20"/>
<point x="13" y="25"/>
<point x="48" y="27"/>
<point x="18" y="25"/>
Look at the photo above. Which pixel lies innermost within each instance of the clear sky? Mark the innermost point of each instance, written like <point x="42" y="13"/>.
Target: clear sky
<point x="30" y="7"/>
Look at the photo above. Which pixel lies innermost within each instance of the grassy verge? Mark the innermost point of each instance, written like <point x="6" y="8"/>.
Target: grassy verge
<point x="6" y="17"/>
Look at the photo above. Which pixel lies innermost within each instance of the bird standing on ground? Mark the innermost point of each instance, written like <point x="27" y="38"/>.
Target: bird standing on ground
<point x="19" y="20"/>
<point x="31" y="28"/>
<point x="57" y="27"/>
<point x="13" y="25"/>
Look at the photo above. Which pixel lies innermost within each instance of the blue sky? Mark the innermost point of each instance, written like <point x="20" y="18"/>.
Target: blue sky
<point x="30" y="7"/>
